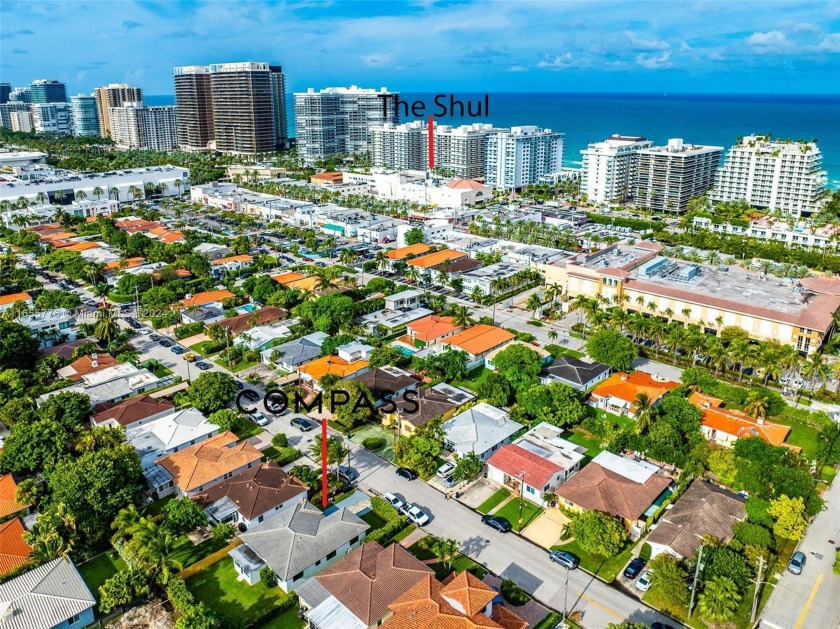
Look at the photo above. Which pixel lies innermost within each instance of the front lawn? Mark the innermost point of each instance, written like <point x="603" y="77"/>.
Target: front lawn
<point x="161" y="372"/>
<point x="99" y="569"/>
<point x="234" y="600"/>
<point x="245" y="428"/>
<point x="458" y="564"/>
<point x="474" y="379"/>
<point x="802" y="435"/>
<point x="375" y="521"/>
<point x="287" y="620"/>
<point x="207" y="348"/>
<point x="493" y="501"/>
<point x="187" y="553"/>
<point x="604" y="568"/>
<point x="511" y="510"/>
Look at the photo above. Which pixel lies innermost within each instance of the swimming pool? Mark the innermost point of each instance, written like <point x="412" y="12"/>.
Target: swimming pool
<point x="404" y="351"/>
<point x="246" y="308"/>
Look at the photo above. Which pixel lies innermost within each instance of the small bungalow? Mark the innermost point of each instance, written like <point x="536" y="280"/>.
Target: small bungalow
<point x="481" y="429"/>
<point x="617" y="394"/>
<point x="478" y="341"/>
<point x="577" y="373"/>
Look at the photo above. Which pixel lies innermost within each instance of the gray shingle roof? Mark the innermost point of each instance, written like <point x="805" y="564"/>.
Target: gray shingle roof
<point x="574" y="370"/>
<point x="296" y="538"/>
<point x="302" y="350"/>
<point x="44" y="597"/>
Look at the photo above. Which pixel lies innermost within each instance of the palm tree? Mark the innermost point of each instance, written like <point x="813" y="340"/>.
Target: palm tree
<point x="553" y="292"/>
<point x="581" y="303"/>
<point x="179" y="185"/>
<point x="81" y="195"/>
<point x="98" y="192"/>
<point x="114" y="191"/>
<point x="718" y="353"/>
<point x="644" y="413"/>
<point x="106" y="327"/>
<point x="477" y="295"/>
<point x="462" y="316"/>
<point x="719" y="600"/>
<point x="757" y="404"/>
<point x="456" y="284"/>
<point x="815" y="369"/>
<point x="134" y="191"/>
<point x="534" y="303"/>
<point x="324" y="282"/>
<point x="125" y="522"/>
<point x="740" y="350"/>
<point x="60" y="215"/>
<point x="41" y="197"/>
<point x="552" y="335"/>
<point x="154" y="546"/>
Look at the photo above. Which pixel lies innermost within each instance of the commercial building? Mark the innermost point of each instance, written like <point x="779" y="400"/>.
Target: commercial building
<point x="194" y="105"/>
<point x="775" y="174"/>
<point x="84" y="117"/>
<point x="20" y="95"/>
<point x="48" y="91"/>
<point x="609" y="168"/>
<point x="521" y="156"/>
<point x="667" y="177"/>
<point x="113" y="95"/>
<point x="8" y="109"/>
<point x="51" y="118"/>
<point x="798" y="313"/>
<point x="21" y="120"/>
<point x="5" y="90"/>
<point x="796" y="234"/>
<point x="339" y="119"/>
<point x="136" y="126"/>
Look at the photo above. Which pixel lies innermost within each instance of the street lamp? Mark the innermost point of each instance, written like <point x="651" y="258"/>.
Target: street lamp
<point x="521" y="496"/>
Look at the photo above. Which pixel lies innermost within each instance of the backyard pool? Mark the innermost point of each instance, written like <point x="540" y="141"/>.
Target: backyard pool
<point x="245" y="308"/>
<point x="404" y="350"/>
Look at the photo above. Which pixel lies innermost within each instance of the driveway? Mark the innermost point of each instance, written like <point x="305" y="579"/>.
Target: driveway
<point x="654" y="367"/>
<point x="478" y="492"/>
<point x="546" y="530"/>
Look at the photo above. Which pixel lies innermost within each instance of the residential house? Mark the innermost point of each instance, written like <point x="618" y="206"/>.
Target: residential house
<point x="168" y="434"/>
<point x="404" y="300"/>
<point x="293" y="280"/>
<point x="404" y="254"/>
<point x="252" y="496"/>
<point x="134" y="411"/>
<point x="388" y="383"/>
<point x="482" y="429"/>
<point x="85" y="365"/>
<point x="545" y="357"/>
<point x="484" y="278"/>
<point x="231" y="264"/>
<point x="390" y="320"/>
<point x="289" y="356"/>
<point x="461" y="600"/>
<point x="478" y="341"/>
<point x="244" y="322"/>
<point x="453" y="269"/>
<point x="704" y="509"/>
<point x="618" y="393"/>
<point x="577" y="373"/>
<point x="212" y="250"/>
<point x="429" y="331"/>
<point x="354" y="351"/>
<point x="9" y="505"/>
<point x="51" y="596"/>
<point x="14" y="551"/>
<point x="724" y="426"/>
<point x="51" y="326"/>
<point x="65" y="350"/>
<point x="617" y="485"/>
<point x="297" y="544"/>
<point x="207" y="315"/>
<point x="263" y="337"/>
<point x="7" y="301"/>
<point x="536" y="464"/>
<point x="312" y="372"/>
<point x="426" y="262"/>
<point x="203" y="465"/>
<point x="355" y="592"/>
<point x="441" y="400"/>
<point x="208" y="298"/>
<point x="113" y="384"/>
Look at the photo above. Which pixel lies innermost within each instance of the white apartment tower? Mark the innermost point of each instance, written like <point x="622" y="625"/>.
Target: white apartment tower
<point x="137" y="127"/>
<point x="113" y="95"/>
<point x="339" y="119"/>
<point x="400" y="146"/>
<point x="774" y="174"/>
<point x="520" y="156"/>
<point x="21" y="120"/>
<point x="609" y="168"/>
<point x="462" y="151"/>
<point x="667" y="177"/>
<point x="51" y="118"/>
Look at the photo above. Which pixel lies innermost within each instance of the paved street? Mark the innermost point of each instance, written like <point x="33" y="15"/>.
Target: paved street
<point x="811" y="598"/>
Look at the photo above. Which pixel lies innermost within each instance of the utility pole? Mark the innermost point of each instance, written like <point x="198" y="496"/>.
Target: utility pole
<point x="757" y="586"/>
<point x="694" y="583"/>
<point x="521" y="496"/>
<point x="566" y="597"/>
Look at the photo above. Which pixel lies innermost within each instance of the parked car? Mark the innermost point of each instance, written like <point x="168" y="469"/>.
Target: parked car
<point x="445" y="469"/>
<point x="165" y="343"/>
<point x="406" y="473"/>
<point x="176" y="349"/>
<point x="415" y="514"/>
<point x="660" y="625"/>
<point x="450" y="481"/>
<point x="500" y="524"/>
<point x="797" y="562"/>
<point x="634" y="568"/>
<point x="644" y="581"/>
<point x="564" y="558"/>
<point x="190" y="358"/>
<point x="304" y="425"/>
<point x="394" y="501"/>
<point x="251" y="395"/>
<point x="202" y="366"/>
<point x="259" y="418"/>
<point x="155" y="337"/>
<point x="348" y="473"/>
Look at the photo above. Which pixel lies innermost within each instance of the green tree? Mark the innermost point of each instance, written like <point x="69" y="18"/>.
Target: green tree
<point x="719" y="600"/>
<point x="467" y="466"/>
<point x="267" y="577"/>
<point x="612" y="348"/>
<point x="182" y="515"/>
<point x="198" y="616"/>
<point x="598" y="533"/>
<point x="449" y="365"/>
<point x="385" y="355"/>
<point x="496" y="389"/>
<point x="418" y="452"/>
<point x="125" y="522"/>
<point x="336" y="450"/>
<point x="18" y="348"/>
<point x="722" y="561"/>
<point x="789" y="514"/>
<point x="153" y="546"/>
<point x="212" y="391"/>
<point x="29" y="491"/>
<point x="444" y="549"/>
<point x="70" y="409"/>
<point x="414" y="235"/>
<point x="225" y="418"/>
<point x="106" y="327"/>
<point x="555" y="403"/>
<point x="34" y="446"/>
<point x="280" y="440"/>
<point x="669" y="580"/>
<point x="330" y="345"/>
<point x="224" y="532"/>
<point x="722" y="464"/>
<point x="360" y="407"/>
<point x="520" y="364"/>
<point x="122" y="588"/>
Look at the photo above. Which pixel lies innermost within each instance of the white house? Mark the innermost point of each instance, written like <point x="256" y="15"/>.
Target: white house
<point x="169" y="434"/>
<point x="482" y="429"/>
<point x="351" y="352"/>
<point x="404" y="300"/>
<point x="295" y="353"/>
<point x="51" y="326"/>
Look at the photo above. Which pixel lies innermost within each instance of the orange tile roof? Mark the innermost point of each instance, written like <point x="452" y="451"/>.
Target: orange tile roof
<point x="57" y="235"/>
<point x="438" y="257"/>
<point x="432" y="327"/>
<point x="240" y="258"/>
<point x="84" y="365"/>
<point x="14" y="551"/>
<point x="208" y="297"/>
<point x="295" y="280"/>
<point x="8" y="504"/>
<point x="736" y="423"/>
<point x="320" y="367"/>
<point x="82" y="246"/>
<point x="626" y="387"/>
<point x="131" y="262"/>
<point x="10" y="299"/>
<point x="288" y="276"/>
<point x="411" y="250"/>
<point x="158" y="231"/>
<point x="170" y="237"/>
<point x="479" y="339"/>
<point x="209" y="460"/>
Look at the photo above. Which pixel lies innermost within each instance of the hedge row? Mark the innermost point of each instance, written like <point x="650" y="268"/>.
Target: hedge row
<point x="384" y="534"/>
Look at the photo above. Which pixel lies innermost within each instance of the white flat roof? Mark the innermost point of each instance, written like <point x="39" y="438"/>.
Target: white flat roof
<point x="636" y="471"/>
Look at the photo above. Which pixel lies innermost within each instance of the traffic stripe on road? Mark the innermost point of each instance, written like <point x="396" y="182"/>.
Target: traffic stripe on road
<point x="600" y="606"/>
<point x="810" y="600"/>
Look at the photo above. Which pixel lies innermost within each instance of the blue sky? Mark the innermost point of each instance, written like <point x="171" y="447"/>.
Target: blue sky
<point x="424" y="45"/>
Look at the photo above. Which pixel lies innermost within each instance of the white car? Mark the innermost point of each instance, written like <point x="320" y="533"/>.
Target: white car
<point x="445" y="469"/>
<point x="644" y="581"/>
<point x="259" y="418"/>
<point x="415" y="514"/>
<point x="394" y="501"/>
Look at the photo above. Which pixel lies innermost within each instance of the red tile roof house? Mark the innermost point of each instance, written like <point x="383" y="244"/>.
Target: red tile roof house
<point x="130" y="413"/>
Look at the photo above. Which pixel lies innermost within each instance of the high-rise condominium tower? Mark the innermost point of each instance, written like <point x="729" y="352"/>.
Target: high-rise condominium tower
<point x="339" y="119"/>
<point x="194" y="104"/>
<point x="776" y="174"/>
<point x="136" y="126"/>
<point x="51" y="118"/>
<point x="83" y="114"/>
<point x="5" y="90"/>
<point x="521" y="155"/>
<point x="48" y="91"/>
<point x="113" y="95"/>
<point x="609" y="167"/>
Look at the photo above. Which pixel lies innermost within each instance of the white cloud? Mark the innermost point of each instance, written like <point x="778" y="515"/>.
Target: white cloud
<point x="654" y="62"/>
<point x="559" y="62"/>
<point x="517" y="69"/>
<point x="830" y="42"/>
<point x="685" y="47"/>
<point x="641" y="43"/>
<point x="769" y="42"/>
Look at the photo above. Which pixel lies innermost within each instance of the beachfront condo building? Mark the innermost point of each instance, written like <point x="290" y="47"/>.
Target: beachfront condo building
<point x="773" y="174"/>
<point x="113" y="95"/>
<point x="194" y="108"/>
<point x="51" y="118"/>
<point x="608" y="168"/>
<point x="667" y="177"/>
<point x="640" y="279"/>
<point x="339" y="119"/>
<point x="135" y="126"/>
<point x="83" y="115"/>
<point x="520" y="156"/>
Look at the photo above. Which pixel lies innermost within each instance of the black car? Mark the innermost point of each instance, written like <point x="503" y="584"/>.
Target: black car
<point x="165" y="343"/>
<point x="304" y="425"/>
<point x="634" y="568"/>
<point x="660" y="625"/>
<point x="407" y="473"/>
<point x="500" y="524"/>
<point x="251" y="395"/>
<point x="154" y="337"/>
<point x="202" y="366"/>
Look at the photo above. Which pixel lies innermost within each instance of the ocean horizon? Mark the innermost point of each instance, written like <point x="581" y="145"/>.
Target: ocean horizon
<point x="710" y="119"/>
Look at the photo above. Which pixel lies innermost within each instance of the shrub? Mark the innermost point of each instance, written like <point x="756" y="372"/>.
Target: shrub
<point x="287" y="455"/>
<point x="384" y="533"/>
<point x="514" y="594"/>
<point x="267" y="577"/>
<point x="180" y="597"/>
<point x="645" y="552"/>
<point x="374" y="443"/>
<point x="280" y="440"/>
<point x="383" y="509"/>
<point x="189" y="329"/>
